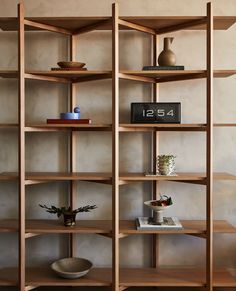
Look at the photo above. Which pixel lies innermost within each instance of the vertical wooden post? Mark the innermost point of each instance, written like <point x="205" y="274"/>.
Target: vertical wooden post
<point x="115" y="148"/>
<point x="155" y="151"/>
<point x="73" y="184"/>
<point x="209" y="147"/>
<point x="21" y="143"/>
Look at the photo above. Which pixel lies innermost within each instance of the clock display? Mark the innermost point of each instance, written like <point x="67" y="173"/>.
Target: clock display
<point x="156" y="112"/>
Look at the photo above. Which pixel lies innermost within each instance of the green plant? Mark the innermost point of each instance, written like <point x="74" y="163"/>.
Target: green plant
<point x="67" y="210"/>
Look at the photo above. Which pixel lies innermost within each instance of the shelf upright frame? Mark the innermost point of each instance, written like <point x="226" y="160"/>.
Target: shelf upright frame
<point x="115" y="147"/>
<point x="72" y="142"/>
<point x="21" y="145"/>
<point x="155" y="151"/>
<point x="209" y="149"/>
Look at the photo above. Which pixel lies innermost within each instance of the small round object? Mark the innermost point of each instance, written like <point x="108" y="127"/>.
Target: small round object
<point x="77" y="110"/>
<point x="71" y="268"/>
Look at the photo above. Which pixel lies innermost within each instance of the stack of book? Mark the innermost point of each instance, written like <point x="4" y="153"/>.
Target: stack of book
<point x="162" y="68"/>
<point x="69" y="121"/>
<point x="146" y="223"/>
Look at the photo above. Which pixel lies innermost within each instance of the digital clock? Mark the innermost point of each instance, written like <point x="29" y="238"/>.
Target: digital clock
<point x="159" y="112"/>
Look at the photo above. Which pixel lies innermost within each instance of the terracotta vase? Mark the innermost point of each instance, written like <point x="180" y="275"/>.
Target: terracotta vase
<point x="167" y="57"/>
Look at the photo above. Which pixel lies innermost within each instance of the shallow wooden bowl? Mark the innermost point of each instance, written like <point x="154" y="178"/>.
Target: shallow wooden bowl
<point x="71" y="64"/>
<point x="71" y="268"/>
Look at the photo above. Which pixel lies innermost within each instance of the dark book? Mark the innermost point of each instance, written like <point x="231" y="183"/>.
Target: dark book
<point x="69" y="69"/>
<point x="162" y="68"/>
<point x="69" y="121"/>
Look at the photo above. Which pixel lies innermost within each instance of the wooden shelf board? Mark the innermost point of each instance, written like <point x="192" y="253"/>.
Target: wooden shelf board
<point x="168" y="277"/>
<point x="8" y="74"/>
<point x="8" y="276"/>
<point x="101" y="176"/>
<point x="61" y="127"/>
<point x="161" y="127"/>
<point x="63" y="176"/>
<point x="180" y="177"/>
<point x="124" y="127"/>
<point x="46" y="277"/>
<point x="154" y="22"/>
<point x="39" y="226"/>
<point x="55" y="226"/>
<point x="8" y="225"/>
<point x="8" y="176"/>
<point x="162" y="22"/>
<point x="171" y="75"/>
<point x="165" y="276"/>
<point x="71" y="74"/>
<point x="79" y="76"/>
<point x="189" y="227"/>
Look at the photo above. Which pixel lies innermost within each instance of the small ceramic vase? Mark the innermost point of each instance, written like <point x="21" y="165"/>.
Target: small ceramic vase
<point x="167" y="57"/>
<point x="166" y="165"/>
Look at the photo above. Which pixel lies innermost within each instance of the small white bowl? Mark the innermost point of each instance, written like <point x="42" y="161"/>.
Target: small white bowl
<point x="71" y="268"/>
<point x="155" y="208"/>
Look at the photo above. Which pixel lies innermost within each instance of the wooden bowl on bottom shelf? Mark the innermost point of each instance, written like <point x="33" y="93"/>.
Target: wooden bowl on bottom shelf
<point x="71" y="268"/>
<point x="70" y="65"/>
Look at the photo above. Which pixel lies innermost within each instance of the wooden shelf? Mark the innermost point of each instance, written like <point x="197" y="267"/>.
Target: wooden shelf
<point x="161" y="127"/>
<point x="189" y="227"/>
<point x="8" y="276"/>
<point x="60" y="76"/>
<point x="124" y="127"/>
<point x="171" y="75"/>
<point x="39" y="226"/>
<point x="46" y="277"/>
<point x="81" y="23"/>
<point x="127" y="227"/>
<point x="165" y="276"/>
<point x="68" y="76"/>
<point x="63" y="127"/>
<point x="8" y="74"/>
<point x="8" y="225"/>
<point x="168" y="277"/>
<point x="131" y="177"/>
<point x="106" y="177"/>
<point x="143" y="76"/>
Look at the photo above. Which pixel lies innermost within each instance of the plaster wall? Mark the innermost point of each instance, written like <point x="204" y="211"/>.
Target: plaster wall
<point x="48" y="151"/>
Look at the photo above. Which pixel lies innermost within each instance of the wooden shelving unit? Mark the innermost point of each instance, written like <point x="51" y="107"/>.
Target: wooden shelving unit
<point x="115" y="277"/>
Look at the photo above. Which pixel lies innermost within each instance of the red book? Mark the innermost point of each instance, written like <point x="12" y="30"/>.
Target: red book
<point x="69" y="121"/>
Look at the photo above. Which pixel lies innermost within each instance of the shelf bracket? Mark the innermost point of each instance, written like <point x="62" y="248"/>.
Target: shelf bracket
<point x="28" y="288"/>
<point x="30" y="234"/>
<point x="47" y="27"/>
<point x="185" y="25"/>
<point x="91" y="27"/>
<point x="137" y="27"/>
<point x="137" y="78"/>
<point x="46" y="78"/>
<point x="92" y="78"/>
<point x="203" y="235"/>
<point x="181" y="78"/>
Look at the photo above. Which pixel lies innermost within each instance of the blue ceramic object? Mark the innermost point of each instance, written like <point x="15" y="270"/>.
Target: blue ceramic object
<point x="70" y="115"/>
<point x="77" y="110"/>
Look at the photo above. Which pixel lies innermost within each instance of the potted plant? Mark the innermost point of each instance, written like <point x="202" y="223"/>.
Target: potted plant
<point x="68" y="214"/>
<point x="166" y="164"/>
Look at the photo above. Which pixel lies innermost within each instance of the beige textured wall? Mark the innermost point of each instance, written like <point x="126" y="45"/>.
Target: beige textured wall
<point x="47" y="152"/>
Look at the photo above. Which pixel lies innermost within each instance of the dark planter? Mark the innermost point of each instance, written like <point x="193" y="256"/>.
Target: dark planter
<point x="69" y="219"/>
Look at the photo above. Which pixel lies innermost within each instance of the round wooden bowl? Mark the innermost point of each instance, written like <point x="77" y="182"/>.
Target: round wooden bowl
<point x="71" y="65"/>
<point x="71" y="268"/>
